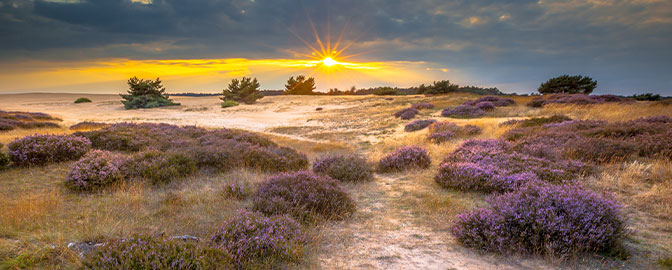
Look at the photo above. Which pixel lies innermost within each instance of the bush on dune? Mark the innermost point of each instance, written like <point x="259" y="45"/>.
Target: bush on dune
<point x="543" y="219"/>
<point x="346" y="168"/>
<point x="97" y="169"/>
<point x="4" y="159"/>
<point x="145" y="94"/>
<point x="418" y="125"/>
<point x="42" y="149"/>
<point x="404" y="158"/>
<point x="82" y="100"/>
<point x="422" y="106"/>
<point x="441" y="132"/>
<point x="254" y="240"/>
<point x="159" y="167"/>
<point x="495" y="101"/>
<point x="245" y="90"/>
<point x="463" y="111"/>
<point x="406" y="114"/>
<point x="304" y="195"/>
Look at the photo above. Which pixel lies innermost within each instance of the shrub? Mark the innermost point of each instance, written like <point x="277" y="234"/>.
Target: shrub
<point x="303" y="195"/>
<point x="245" y="90"/>
<point x="222" y="156"/>
<point x="463" y="111"/>
<point x="4" y="159"/>
<point x="418" y="125"/>
<point x="466" y="130"/>
<point x="496" y="101"/>
<point x="406" y="114"/>
<point x="159" y="167"/>
<point x="82" y="100"/>
<point x="539" y="121"/>
<point x="346" y="168"/>
<point x="485" y="106"/>
<point x="499" y="154"/>
<point x="543" y="218"/>
<point x="146" y="252"/>
<point x="576" y="99"/>
<point x="255" y="240"/>
<point x="405" y="158"/>
<point x="229" y="103"/>
<point x="95" y="170"/>
<point x="600" y="149"/>
<point x="468" y="176"/>
<point x="647" y="97"/>
<point x="300" y="86"/>
<point x="145" y="94"/>
<point x="568" y="84"/>
<point x="422" y="106"/>
<point x="25" y="120"/>
<point x="441" y="137"/>
<point x="274" y="159"/>
<point x="42" y="149"/>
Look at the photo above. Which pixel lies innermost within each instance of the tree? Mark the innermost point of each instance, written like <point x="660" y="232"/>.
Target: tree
<point x="245" y="90"/>
<point x="438" y="87"/>
<point x="145" y="94"/>
<point x="300" y="86"/>
<point x="568" y="84"/>
<point x="385" y="91"/>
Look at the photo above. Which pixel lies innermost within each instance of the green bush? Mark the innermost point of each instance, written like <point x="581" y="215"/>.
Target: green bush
<point x="145" y="94"/>
<point x="300" y="86"/>
<point x="4" y="158"/>
<point x="245" y="90"/>
<point x="568" y="84"/>
<point x="82" y="100"/>
<point x="229" y="103"/>
<point x="438" y="87"/>
<point x="160" y="167"/>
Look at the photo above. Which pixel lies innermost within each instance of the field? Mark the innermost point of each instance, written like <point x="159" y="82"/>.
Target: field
<point x="402" y="219"/>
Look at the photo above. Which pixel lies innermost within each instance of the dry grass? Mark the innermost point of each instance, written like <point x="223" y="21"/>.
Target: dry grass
<point x="8" y="136"/>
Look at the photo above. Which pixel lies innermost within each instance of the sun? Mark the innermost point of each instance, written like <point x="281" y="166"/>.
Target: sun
<point x="328" y="61"/>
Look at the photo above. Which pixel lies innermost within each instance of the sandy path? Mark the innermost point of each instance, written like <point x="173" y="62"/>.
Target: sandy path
<point x="269" y="112"/>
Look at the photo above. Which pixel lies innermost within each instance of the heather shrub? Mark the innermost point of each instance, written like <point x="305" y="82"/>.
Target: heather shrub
<point x="441" y="137"/>
<point x="223" y="156"/>
<point x="82" y="100"/>
<point x="600" y="149"/>
<point x="496" y="101"/>
<point x="418" y="125"/>
<point x="274" y="159"/>
<point x="485" y="106"/>
<point x="543" y="219"/>
<point x="159" y="167"/>
<point x="346" y="168"/>
<point x="468" y="176"/>
<point x="257" y="241"/>
<point x="304" y="195"/>
<point x="4" y="159"/>
<point x="25" y="120"/>
<point x="42" y="149"/>
<point x="97" y="169"/>
<point x="576" y="99"/>
<point x="404" y="158"/>
<point x="406" y="114"/>
<point x="466" y="130"/>
<point x="146" y="252"/>
<point x="463" y="111"/>
<point x="540" y="121"/>
<point x="422" y="106"/>
<point x="498" y="157"/>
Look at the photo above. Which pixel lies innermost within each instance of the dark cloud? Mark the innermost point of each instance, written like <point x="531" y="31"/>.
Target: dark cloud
<point x="624" y="44"/>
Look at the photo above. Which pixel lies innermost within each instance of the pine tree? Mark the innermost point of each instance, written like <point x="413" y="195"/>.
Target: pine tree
<point x="568" y="84"/>
<point x="245" y="90"/>
<point x="145" y="94"/>
<point x="300" y="86"/>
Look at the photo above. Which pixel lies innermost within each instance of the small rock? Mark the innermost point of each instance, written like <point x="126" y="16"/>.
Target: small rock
<point x="389" y="98"/>
<point x="84" y="248"/>
<point x="185" y="237"/>
<point x="318" y="109"/>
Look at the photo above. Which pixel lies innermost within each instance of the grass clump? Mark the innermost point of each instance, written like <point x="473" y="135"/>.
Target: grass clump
<point x="405" y="158"/>
<point x="97" y="169"/>
<point x="543" y="219"/>
<point x="82" y="100"/>
<point x="41" y="149"/>
<point x="346" y="168"/>
<point x="147" y="252"/>
<point x="304" y="195"/>
<point x="257" y="241"/>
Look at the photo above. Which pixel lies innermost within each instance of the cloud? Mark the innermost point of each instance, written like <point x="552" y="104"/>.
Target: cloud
<point x="624" y="44"/>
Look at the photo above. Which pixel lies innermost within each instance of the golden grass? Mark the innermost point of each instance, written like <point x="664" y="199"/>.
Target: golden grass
<point x="8" y="136"/>
<point x="608" y="111"/>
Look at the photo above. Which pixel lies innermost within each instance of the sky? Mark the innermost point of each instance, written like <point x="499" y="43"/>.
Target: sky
<point x="94" y="46"/>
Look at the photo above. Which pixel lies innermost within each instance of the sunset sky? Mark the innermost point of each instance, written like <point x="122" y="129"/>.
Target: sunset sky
<point x="200" y="45"/>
